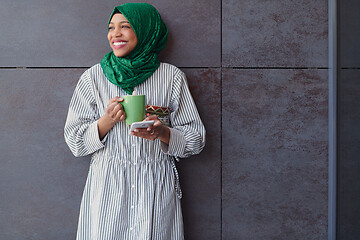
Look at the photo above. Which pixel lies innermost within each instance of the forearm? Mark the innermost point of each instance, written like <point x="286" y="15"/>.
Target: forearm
<point x="82" y="137"/>
<point x="164" y="135"/>
<point x="104" y="123"/>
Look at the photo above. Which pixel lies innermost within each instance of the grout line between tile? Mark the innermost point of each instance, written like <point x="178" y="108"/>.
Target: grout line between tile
<point x="221" y="120"/>
<point x="286" y="68"/>
<point x="42" y="67"/>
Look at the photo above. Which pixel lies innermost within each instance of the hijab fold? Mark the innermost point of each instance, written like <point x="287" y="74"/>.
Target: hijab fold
<point x="129" y="71"/>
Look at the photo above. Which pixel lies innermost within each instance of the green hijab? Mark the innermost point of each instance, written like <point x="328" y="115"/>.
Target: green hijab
<point x="151" y="32"/>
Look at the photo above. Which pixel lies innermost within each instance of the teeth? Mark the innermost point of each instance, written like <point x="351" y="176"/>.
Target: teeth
<point x="119" y="43"/>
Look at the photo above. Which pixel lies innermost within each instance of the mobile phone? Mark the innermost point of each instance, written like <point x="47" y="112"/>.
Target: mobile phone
<point x="143" y="124"/>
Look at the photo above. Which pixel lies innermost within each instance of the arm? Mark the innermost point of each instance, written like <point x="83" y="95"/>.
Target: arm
<point x="187" y="132"/>
<point x="84" y="131"/>
<point x="187" y="135"/>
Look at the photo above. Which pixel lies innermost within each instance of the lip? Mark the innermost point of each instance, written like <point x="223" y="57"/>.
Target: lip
<point x="118" y="40"/>
<point x="118" y="46"/>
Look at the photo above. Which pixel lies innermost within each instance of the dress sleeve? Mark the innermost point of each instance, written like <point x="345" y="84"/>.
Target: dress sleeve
<point x="81" y="129"/>
<point x="187" y="132"/>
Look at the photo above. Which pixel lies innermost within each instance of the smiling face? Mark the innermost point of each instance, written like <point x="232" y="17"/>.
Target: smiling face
<point x="121" y="36"/>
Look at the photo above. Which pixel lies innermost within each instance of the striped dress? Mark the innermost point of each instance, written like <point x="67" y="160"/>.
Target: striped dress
<point x="131" y="192"/>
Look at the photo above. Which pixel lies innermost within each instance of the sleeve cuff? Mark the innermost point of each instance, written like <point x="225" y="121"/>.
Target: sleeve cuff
<point x="176" y="145"/>
<point x="92" y="139"/>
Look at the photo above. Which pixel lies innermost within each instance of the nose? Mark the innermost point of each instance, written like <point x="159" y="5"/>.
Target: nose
<point x="117" y="32"/>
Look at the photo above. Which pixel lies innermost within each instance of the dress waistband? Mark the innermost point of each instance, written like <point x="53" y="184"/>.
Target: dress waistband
<point x="128" y="162"/>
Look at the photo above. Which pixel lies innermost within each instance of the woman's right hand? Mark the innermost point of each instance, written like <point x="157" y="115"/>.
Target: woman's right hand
<point x="114" y="113"/>
<point x="115" y="110"/>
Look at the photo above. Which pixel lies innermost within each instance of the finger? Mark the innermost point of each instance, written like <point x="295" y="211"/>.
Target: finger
<point x="117" y="108"/>
<point x="118" y="115"/>
<point x="157" y="123"/>
<point x="123" y="116"/>
<point x="111" y="105"/>
<point x="109" y="110"/>
<point x="151" y="117"/>
<point x="144" y="134"/>
<point x="141" y="130"/>
<point x="114" y="99"/>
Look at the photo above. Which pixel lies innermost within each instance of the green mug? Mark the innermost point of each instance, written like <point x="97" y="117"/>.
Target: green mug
<point x="134" y="107"/>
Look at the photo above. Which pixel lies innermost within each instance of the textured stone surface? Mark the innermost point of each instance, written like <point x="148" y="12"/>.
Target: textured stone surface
<point x="273" y="175"/>
<point x="73" y="33"/>
<point x="349" y="150"/>
<point x="258" y="33"/>
<point x="349" y="33"/>
<point x="41" y="183"/>
<point x="274" y="151"/>
<point x="348" y="208"/>
<point x="200" y="175"/>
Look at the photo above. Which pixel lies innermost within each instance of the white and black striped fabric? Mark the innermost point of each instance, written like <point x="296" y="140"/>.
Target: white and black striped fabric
<point x="130" y="189"/>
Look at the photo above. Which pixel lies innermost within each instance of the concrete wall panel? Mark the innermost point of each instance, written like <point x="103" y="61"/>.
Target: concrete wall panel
<point x="349" y="149"/>
<point x="274" y="151"/>
<point x="200" y="175"/>
<point x="349" y="33"/>
<point x="275" y="33"/>
<point x="41" y="182"/>
<point x="73" y="33"/>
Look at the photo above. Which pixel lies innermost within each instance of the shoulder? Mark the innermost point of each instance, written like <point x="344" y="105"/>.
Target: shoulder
<point x="93" y="74"/>
<point x="171" y="69"/>
<point x="91" y="77"/>
<point x="94" y="70"/>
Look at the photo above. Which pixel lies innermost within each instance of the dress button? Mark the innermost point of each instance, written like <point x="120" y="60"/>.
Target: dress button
<point x="133" y="186"/>
<point x="134" y="145"/>
<point x="131" y="228"/>
<point x="132" y="206"/>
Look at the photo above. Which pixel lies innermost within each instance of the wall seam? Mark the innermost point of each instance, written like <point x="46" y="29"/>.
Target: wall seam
<point x="332" y="119"/>
<point x="221" y="119"/>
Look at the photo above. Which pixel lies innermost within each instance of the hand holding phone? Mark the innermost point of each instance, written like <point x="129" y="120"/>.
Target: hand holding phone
<point x="143" y="124"/>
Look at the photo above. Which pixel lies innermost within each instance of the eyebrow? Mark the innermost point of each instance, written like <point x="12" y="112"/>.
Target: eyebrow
<point x="120" y="22"/>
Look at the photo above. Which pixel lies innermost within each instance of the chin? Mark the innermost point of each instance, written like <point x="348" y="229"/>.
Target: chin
<point x="120" y="54"/>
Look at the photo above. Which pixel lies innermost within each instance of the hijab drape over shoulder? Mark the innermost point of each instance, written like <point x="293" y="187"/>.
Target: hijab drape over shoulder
<point x="129" y="71"/>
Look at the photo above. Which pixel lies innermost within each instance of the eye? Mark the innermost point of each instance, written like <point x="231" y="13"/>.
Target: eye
<point x="125" y="26"/>
<point x="111" y="28"/>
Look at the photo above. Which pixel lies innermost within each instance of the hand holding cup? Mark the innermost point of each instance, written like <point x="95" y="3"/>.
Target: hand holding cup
<point x="114" y="110"/>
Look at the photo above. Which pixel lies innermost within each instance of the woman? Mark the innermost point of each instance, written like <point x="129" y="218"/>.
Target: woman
<point x="132" y="190"/>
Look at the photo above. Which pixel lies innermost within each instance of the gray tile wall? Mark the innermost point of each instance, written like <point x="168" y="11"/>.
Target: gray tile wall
<point x="274" y="154"/>
<point x="349" y="152"/>
<point x="348" y="122"/>
<point x="257" y="72"/>
<point x="274" y="118"/>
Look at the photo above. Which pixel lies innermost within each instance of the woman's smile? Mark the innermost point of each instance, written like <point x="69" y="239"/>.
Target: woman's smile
<point x="121" y="36"/>
<point x="119" y="44"/>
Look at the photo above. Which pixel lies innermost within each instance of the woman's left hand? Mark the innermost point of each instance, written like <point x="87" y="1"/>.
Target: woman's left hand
<point x="158" y="130"/>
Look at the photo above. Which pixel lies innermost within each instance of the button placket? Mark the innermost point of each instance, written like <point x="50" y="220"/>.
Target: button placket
<point x="132" y="192"/>
<point x="133" y="149"/>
